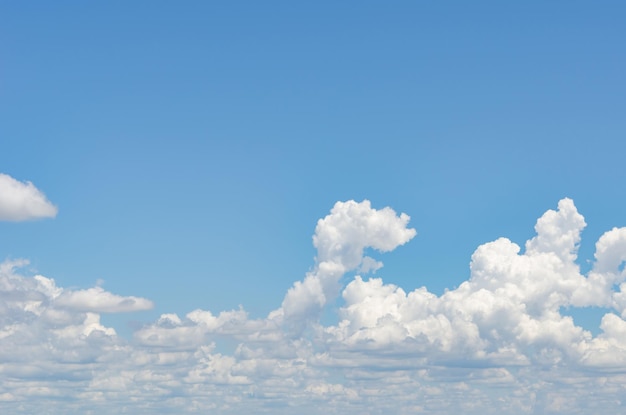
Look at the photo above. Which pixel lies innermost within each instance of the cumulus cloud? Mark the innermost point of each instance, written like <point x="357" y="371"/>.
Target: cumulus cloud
<point x="499" y="343"/>
<point x="509" y="309"/>
<point x="341" y="239"/>
<point x="98" y="300"/>
<point x="37" y="315"/>
<point x="20" y="201"/>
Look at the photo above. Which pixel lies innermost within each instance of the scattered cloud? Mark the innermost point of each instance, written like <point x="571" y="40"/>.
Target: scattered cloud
<point x="496" y="344"/>
<point x="20" y="201"/>
<point x="99" y="301"/>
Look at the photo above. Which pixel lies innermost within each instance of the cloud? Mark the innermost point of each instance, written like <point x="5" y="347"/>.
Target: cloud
<point x="99" y="301"/>
<point x="498" y="343"/>
<point x="508" y="311"/>
<point x="20" y="201"/>
<point x="341" y="239"/>
<point x="36" y="306"/>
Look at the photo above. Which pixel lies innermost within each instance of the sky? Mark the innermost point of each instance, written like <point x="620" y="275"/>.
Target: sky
<point x="197" y="201"/>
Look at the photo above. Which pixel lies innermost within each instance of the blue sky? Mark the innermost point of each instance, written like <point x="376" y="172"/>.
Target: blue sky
<point x="191" y="149"/>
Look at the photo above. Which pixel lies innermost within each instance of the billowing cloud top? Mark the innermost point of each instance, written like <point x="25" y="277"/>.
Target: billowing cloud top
<point x="340" y="239"/>
<point x="21" y="201"/>
<point x="499" y="343"/>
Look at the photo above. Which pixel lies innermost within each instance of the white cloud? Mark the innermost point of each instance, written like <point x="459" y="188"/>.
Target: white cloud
<point x="39" y="330"/>
<point x="97" y="300"/>
<point x="21" y="201"/>
<point x="499" y="343"/>
<point x="508" y="311"/>
<point x="341" y="238"/>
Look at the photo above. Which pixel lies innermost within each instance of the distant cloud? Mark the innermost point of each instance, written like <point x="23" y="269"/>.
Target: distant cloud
<point x="498" y="343"/>
<point x="20" y="201"/>
<point x="99" y="301"/>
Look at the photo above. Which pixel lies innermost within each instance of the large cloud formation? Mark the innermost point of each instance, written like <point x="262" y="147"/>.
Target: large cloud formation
<point x="21" y="201"/>
<point x="499" y="343"/>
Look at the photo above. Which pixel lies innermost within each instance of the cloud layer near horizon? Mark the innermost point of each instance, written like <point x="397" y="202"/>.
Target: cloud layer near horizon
<point x="20" y="201"/>
<point x="498" y="343"/>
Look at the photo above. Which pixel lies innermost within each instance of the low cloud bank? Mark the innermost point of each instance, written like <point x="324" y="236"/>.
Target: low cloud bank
<point x="496" y="344"/>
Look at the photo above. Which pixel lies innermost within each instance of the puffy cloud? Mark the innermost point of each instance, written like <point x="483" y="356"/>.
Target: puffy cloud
<point x="508" y="311"/>
<point x="21" y="201"/>
<point x="498" y="343"/>
<point x="558" y="232"/>
<point x="98" y="300"/>
<point x="341" y="239"/>
<point x="39" y="320"/>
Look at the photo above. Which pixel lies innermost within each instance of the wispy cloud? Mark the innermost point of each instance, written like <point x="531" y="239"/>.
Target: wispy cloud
<point x="20" y="201"/>
<point x="496" y="344"/>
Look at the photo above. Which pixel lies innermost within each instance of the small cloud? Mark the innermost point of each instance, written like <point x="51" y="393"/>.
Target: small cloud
<point x="21" y="201"/>
<point x="98" y="300"/>
<point x="369" y="264"/>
